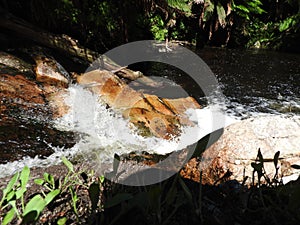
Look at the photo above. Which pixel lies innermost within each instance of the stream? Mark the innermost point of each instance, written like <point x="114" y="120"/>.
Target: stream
<point x="254" y="83"/>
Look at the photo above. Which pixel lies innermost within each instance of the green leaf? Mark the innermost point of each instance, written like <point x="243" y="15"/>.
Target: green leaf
<point x="20" y="192"/>
<point x="62" y="221"/>
<point x="208" y="10"/>
<point x="101" y="179"/>
<point x="295" y="166"/>
<point x="24" y="177"/>
<point x="14" y="206"/>
<point x="181" y="5"/>
<point x="117" y="199"/>
<point x="10" y="195"/>
<point x="37" y="203"/>
<point x="74" y="199"/>
<point x="94" y="194"/>
<point x="8" y="217"/>
<point x="221" y="15"/>
<point x="286" y="24"/>
<point x="51" y="195"/>
<point x="39" y="181"/>
<point x="276" y="157"/>
<point x="242" y="8"/>
<point x="10" y="185"/>
<point x="68" y="164"/>
<point x="49" y="179"/>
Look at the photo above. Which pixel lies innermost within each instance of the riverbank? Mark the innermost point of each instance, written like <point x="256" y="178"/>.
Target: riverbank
<point x="173" y="201"/>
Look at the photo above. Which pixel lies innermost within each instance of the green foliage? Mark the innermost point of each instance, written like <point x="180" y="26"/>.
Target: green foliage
<point x="161" y="203"/>
<point x="271" y="29"/>
<point x="74" y="199"/>
<point x="246" y="9"/>
<point x="221" y="15"/>
<point x="13" y="194"/>
<point x="101" y="25"/>
<point x="158" y="28"/>
<point x="208" y="10"/>
<point x="290" y="23"/>
<point x="62" y="221"/>
<point x="181" y="5"/>
<point x="68" y="164"/>
<point x="270" y="34"/>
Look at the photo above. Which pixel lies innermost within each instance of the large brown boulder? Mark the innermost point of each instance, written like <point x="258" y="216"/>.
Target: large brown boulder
<point x="151" y="114"/>
<point x="237" y="148"/>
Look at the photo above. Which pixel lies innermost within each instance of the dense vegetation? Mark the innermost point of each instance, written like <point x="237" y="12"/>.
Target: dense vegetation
<point x="101" y="25"/>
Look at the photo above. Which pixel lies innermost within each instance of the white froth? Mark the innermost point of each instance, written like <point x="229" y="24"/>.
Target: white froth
<point x="105" y="133"/>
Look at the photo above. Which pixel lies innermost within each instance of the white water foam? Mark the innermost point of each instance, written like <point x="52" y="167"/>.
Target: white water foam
<point x="260" y="106"/>
<point x="105" y="133"/>
<point x="110" y="133"/>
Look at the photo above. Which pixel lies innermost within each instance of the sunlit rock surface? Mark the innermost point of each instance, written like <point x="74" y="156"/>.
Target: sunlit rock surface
<point x="13" y="65"/>
<point x="238" y="147"/>
<point x="151" y="114"/>
<point x="49" y="71"/>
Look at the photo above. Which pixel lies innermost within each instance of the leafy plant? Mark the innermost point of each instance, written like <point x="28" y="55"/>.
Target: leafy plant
<point x="14" y="194"/>
<point x="158" y="28"/>
<point x="247" y="8"/>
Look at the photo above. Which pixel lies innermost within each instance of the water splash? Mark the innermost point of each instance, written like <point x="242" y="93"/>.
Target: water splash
<point x="103" y="132"/>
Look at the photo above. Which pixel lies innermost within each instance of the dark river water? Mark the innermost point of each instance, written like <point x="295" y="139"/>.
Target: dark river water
<point x="254" y="82"/>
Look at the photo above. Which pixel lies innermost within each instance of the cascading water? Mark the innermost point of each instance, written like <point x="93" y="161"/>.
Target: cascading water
<point x="103" y="132"/>
<point x="248" y="92"/>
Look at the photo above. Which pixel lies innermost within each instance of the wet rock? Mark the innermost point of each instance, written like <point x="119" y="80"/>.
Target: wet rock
<point x="49" y="71"/>
<point x="56" y="100"/>
<point x="20" y="87"/>
<point x="27" y="138"/>
<point x="237" y="148"/>
<point x="13" y="65"/>
<point x="18" y="94"/>
<point x="156" y="116"/>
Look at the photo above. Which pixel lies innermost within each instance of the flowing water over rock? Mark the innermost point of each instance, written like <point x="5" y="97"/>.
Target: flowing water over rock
<point x="254" y="83"/>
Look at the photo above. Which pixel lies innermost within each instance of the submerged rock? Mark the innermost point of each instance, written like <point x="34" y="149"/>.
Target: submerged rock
<point x="238" y="147"/>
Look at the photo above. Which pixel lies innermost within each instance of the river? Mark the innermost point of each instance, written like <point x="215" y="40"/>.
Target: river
<point x="254" y="83"/>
